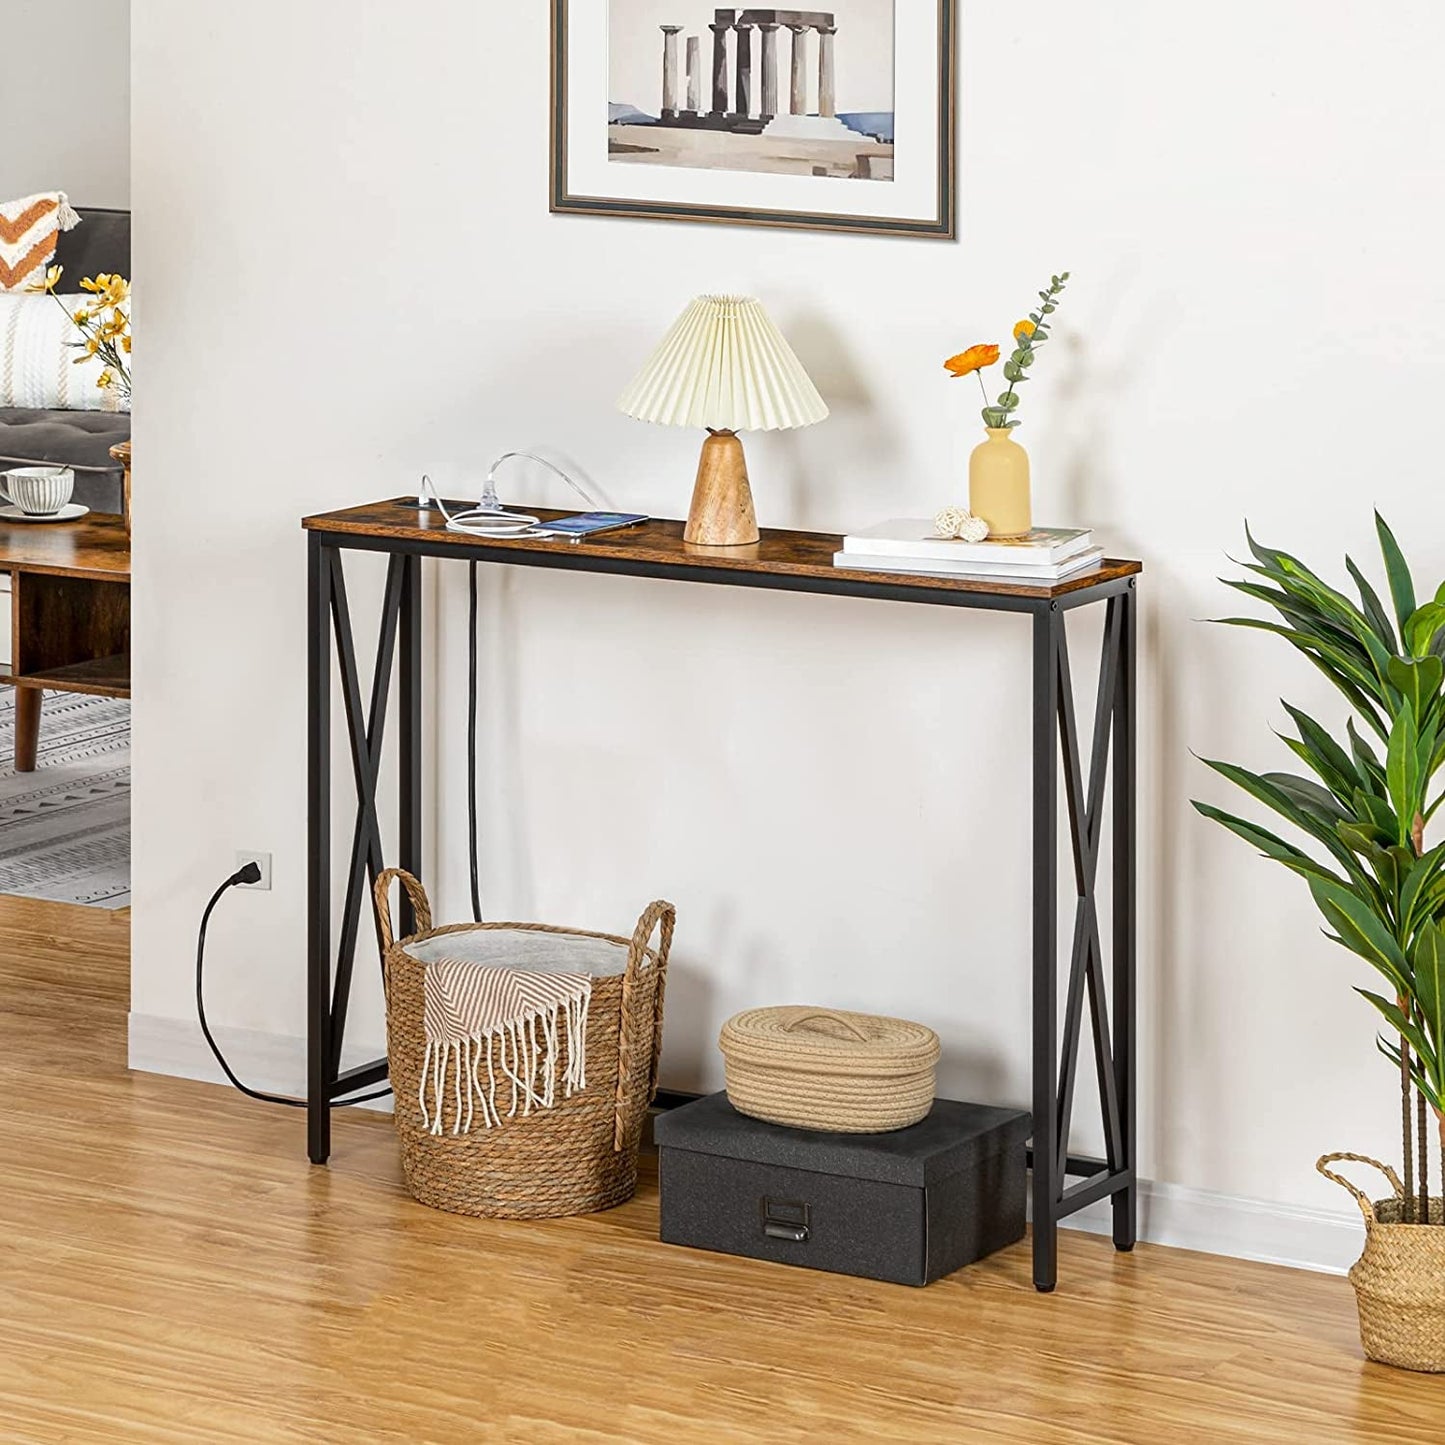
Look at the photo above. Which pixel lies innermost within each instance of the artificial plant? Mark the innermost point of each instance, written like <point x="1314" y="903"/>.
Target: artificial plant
<point x="1368" y="805"/>
<point x="1029" y="335"/>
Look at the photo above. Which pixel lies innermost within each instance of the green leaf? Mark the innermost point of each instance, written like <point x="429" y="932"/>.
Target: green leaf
<point x="1366" y="759"/>
<point x="1008" y="401"/>
<point x="1373" y="608"/>
<point x="1430" y="985"/>
<point x="1293" y="609"/>
<point x="1309" y="796"/>
<point x="1320" y="829"/>
<point x="1390" y="866"/>
<point x="1297" y="579"/>
<point x="1049" y="308"/>
<point x="1402" y="772"/>
<point x="1424" y="622"/>
<point x="1013" y="371"/>
<point x="1402" y="588"/>
<point x="1331" y="761"/>
<point x="1392" y="1011"/>
<point x="1433" y="1091"/>
<point x="1375" y="811"/>
<point x="994" y="416"/>
<point x="1418" y="682"/>
<point x="1348" y="666"/>
<point x="1414" y="905"/>
<point x="1361" y="835"/>
<point x="1269" y="844"/>
<point x="1361" y="929"/>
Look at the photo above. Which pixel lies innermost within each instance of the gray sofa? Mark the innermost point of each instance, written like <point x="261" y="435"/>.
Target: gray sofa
<point x="78" y="439"/>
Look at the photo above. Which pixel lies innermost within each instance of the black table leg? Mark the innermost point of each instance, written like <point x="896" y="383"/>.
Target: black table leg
<point x="1047" y="625"/>
<point x="319" y="559"/>
<point x="409" y="851"/>
<point x="1125" y="930"/>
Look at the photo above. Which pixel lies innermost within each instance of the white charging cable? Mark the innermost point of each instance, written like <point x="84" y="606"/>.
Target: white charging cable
<point x="489" y="518"/>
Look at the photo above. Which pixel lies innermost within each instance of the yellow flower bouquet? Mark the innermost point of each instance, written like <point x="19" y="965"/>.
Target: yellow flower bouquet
<point x="104" y="325"/>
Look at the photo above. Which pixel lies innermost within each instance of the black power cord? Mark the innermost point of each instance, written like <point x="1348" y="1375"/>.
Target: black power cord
<point x="249" y="874"/>
<point x="252" y="874"/>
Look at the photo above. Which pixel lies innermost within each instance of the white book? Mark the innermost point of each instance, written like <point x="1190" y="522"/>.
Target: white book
<point x="915" y="537"/>
<point x="976" y="572"/>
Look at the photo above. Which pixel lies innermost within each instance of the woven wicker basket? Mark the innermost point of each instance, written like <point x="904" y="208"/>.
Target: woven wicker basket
<point x="574" y="1158"/>
<point x="816" y="1068"/>
<point x="1399" y="1280"/>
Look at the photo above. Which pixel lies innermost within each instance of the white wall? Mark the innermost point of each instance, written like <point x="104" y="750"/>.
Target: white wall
<point x="833" y="792"/>
<point x="65" y="100"/>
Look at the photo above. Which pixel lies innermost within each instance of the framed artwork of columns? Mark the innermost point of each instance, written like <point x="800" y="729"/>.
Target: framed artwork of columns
<point x="836" y="119"/>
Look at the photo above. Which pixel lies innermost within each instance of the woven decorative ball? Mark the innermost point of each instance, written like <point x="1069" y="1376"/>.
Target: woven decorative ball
<point x="817" y="1068"/>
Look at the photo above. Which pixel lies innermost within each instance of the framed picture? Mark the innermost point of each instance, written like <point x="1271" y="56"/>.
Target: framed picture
<point x="841" y="119"/>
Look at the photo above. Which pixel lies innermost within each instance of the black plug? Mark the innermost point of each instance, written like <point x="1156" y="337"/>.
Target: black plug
<point x="243" y="877"/>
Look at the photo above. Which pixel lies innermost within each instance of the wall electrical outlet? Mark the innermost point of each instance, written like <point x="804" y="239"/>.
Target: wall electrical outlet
<point x="263" y="862"/>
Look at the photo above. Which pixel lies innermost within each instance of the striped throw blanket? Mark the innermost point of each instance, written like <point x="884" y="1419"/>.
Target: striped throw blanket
<point x="487" y="1028"/>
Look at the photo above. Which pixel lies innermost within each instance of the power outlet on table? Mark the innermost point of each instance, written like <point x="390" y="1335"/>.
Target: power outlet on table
<point x="263" y="862"/>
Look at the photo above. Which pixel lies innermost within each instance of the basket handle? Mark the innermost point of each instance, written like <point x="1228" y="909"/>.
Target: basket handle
<point x="660" y="918"/>
<point x="414" y="891"/>
<point x="1360" y="1197"/>
<point x="832" y="1017"/>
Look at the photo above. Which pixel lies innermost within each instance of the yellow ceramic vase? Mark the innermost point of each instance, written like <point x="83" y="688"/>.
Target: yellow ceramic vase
<point x="998" y="484"/>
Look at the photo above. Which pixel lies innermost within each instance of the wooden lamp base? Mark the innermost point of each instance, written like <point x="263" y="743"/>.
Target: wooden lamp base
<point x="722" y="501"/>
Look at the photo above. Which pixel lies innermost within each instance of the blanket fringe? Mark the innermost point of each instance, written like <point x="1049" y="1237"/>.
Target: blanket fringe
<point x="533" y="1062"/>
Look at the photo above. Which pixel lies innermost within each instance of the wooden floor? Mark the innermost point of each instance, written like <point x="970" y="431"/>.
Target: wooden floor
<point x="171" y="1270"/>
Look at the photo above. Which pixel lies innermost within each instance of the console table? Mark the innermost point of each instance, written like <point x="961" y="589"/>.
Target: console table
<point x="780" y="562"/>
<point x="69" y="615"/>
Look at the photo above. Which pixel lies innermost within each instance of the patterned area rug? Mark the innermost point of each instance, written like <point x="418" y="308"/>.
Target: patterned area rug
<point x="65" y="828"/>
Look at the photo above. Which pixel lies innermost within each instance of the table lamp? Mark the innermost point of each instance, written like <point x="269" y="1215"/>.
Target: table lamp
<point x="726" y="367"/>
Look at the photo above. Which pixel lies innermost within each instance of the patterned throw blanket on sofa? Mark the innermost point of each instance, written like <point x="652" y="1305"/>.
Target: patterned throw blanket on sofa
<point x="487" y="1028"/>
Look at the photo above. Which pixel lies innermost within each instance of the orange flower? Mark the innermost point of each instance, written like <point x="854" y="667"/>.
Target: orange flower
<point x="1024" y="330"/>
<point x="974" y="359"/>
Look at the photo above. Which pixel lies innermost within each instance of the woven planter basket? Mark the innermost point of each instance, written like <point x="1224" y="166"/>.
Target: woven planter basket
<point x="574" y="1158"/>
<point x="815" y="1068"/>
<point x="1400" y="1278"/>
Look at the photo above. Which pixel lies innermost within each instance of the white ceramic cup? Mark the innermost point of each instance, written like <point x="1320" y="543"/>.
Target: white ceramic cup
<point x="37" y="491"/>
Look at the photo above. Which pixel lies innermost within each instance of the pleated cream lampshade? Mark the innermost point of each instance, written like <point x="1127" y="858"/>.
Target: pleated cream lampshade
<point x="726" y="367"/>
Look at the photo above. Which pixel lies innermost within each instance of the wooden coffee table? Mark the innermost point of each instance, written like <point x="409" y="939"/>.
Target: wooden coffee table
<point x="69" y="615"/>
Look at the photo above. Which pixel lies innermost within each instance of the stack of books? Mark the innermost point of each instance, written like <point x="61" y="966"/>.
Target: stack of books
<point x="913" y="547"/>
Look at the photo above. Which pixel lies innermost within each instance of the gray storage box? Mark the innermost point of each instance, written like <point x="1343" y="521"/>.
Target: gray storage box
<point x="909" y="1207"/>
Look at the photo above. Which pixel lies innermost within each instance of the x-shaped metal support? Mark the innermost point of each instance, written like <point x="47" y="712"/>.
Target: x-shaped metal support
<point x="366" y="721"/>
<point x="1056" y="1064"/>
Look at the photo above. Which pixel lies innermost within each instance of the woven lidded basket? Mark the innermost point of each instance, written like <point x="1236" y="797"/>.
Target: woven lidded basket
<point x="576" y="1157"/>
<point x="1399" y="1280"/>
<point x="817" y="1068"/>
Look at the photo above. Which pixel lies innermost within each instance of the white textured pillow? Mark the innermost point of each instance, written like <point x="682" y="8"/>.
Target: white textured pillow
<point x="37" y="367"/>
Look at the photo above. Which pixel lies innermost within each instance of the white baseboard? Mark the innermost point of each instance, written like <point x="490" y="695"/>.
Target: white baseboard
<point x="273" y="1063"/>
<point x="1183" y="1218"/>
<point x="1169" y="1214"/>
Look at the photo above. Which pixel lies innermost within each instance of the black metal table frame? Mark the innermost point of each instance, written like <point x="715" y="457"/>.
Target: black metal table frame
<point x="1055" y="738"/>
